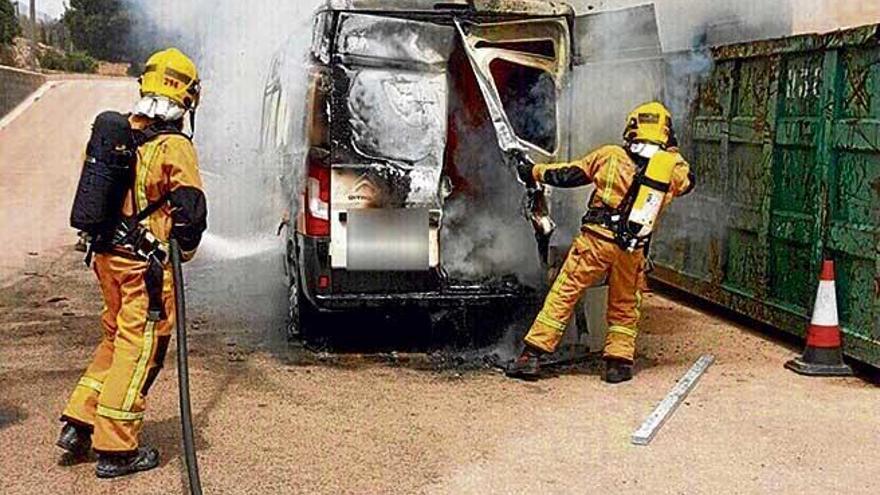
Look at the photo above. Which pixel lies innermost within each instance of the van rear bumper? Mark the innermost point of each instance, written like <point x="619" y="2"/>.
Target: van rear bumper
<point x="450" y="296"/>
<point x="353" y="290"/>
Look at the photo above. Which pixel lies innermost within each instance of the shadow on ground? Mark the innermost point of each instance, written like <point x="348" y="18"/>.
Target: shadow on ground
<point x="10" y="415"/>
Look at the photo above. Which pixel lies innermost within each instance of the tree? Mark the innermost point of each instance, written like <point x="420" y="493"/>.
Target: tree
<point x="9" y="27"/>
<point x="101" y="28"/>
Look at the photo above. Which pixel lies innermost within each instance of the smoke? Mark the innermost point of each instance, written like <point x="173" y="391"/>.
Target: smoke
<point x="234" y="43"/>
<point x="485" y="232"/>
<point x="489" y="236"/>
<point x="686" y="24"/>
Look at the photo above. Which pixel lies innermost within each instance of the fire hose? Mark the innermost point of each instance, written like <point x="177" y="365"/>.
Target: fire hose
<point x="189" y="448"/>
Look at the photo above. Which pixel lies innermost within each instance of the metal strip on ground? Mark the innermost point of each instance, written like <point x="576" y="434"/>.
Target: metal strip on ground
<point x="676" y="396"/>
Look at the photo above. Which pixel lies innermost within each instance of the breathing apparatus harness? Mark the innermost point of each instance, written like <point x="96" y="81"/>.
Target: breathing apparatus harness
<point x="107" y="176"/>
<point x="632" y="221"/>
<point x="131" y="234"/>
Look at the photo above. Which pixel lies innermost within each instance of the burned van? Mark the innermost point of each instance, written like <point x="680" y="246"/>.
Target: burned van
<point x="413" y="106"/>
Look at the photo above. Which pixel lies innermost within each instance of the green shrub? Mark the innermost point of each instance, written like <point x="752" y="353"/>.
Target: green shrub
<point x="52" y="60"/>
<point x="135" y="69"/>
<point x="68" y="62"/>
<point x="81" y="62"/>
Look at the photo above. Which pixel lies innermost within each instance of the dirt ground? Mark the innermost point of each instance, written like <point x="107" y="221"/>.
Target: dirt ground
<point x="277" y="419"/>
<point x="272" y="419"/>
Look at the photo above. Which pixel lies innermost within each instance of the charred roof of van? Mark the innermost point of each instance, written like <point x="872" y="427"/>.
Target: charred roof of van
<point x="516" y="7"/>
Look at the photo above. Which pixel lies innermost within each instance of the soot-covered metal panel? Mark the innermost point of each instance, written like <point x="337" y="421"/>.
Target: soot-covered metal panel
<point x="385" y="39"/>
<point x="399" y="116"/>
<point x="393" y="98"/>
<point x="509" y="7"/>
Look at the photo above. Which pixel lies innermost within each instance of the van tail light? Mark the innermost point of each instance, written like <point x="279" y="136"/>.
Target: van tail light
<point x="317" y="214"/>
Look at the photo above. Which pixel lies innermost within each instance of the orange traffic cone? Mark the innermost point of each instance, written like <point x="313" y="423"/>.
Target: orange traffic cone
<point x="823" y="355"/>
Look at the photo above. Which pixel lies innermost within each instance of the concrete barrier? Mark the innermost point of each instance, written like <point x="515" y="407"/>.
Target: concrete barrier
<point x="15" y="86"/>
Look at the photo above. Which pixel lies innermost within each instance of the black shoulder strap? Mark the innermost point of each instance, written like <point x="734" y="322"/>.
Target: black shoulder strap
<point x="626" y="203"/>
<point x="160" y="128"/>
<point x="151" y="208"/>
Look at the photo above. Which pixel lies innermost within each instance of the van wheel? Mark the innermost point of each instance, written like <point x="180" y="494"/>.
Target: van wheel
<point x="300" y="314"/>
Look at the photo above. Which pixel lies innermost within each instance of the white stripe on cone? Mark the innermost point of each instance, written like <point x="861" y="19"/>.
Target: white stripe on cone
<point x="825" y="311"/>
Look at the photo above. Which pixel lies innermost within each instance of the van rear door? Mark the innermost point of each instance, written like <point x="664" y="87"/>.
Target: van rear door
<point x="388" y="132"/>
<point x="521" y="67"/>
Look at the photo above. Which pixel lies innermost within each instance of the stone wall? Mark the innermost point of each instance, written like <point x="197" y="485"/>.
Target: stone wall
<point x="15" y="86"/>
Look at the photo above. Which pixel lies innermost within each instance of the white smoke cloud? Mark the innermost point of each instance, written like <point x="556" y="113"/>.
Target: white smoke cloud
<point x="233" y="43"/>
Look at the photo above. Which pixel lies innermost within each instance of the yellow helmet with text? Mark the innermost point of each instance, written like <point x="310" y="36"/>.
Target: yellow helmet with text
<point x="171" y="74"/>
<point x="649" y="123"/>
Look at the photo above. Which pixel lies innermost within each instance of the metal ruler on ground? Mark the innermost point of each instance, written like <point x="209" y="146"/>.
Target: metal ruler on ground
<point x="676" y="396"/>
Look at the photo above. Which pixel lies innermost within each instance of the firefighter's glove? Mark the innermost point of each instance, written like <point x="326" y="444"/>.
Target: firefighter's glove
<point x="524" y="167"/>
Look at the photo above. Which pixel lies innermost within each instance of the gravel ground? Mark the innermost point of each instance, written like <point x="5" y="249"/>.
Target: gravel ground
<point x="277" y="420"/>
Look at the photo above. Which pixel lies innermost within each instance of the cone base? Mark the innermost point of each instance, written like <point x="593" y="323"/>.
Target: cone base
<point x="802" y="367"/>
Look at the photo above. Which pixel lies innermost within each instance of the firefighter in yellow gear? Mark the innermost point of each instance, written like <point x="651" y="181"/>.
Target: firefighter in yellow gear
<point x="106" y="410"/>
<point x="633" y="183"/>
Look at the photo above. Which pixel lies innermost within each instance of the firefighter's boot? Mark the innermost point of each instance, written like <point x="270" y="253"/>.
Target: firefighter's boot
<point x="617" y="371"/>
<point x="114" y="465"/>
<point x="77" y="440"/>
<point x="526" y="366"/>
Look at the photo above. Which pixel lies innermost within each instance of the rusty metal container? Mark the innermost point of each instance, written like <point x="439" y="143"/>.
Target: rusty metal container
<point x="785" y="138"/>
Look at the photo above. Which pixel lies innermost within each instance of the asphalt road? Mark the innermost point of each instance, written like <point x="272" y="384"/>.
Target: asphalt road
<point x="277" y="419"/>
<point x="41" y="154"/>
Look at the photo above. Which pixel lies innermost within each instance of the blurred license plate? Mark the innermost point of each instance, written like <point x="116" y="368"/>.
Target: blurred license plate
<point x="388" y="240"/>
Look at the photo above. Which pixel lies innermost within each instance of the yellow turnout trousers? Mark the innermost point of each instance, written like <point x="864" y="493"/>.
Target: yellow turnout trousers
<point x="111" y="395"/>
<point x="591" y="258"/>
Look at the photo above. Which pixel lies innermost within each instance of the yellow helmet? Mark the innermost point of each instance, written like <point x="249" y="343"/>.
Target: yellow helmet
<point x="649" y="123"/>
<point x="172" y="74"/>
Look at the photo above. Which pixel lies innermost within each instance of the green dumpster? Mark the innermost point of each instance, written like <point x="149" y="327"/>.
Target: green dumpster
<point x="785" y="138"/>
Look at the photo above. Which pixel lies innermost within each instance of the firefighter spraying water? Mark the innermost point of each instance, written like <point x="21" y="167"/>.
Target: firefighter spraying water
<point x="140" y="190"/>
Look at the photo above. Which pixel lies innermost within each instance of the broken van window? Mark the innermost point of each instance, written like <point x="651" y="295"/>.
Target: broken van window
<point x="528" y="96"/>
<point x="543" y="48"/>
<point x="520" y="67"/>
